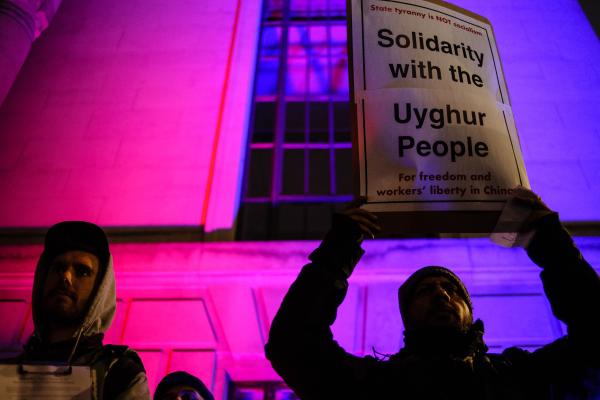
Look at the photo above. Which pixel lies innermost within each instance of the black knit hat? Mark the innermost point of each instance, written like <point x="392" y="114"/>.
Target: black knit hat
<point x="407" y="289"/>
<point x="182" y="378"/>
<point x="76" y="235"/>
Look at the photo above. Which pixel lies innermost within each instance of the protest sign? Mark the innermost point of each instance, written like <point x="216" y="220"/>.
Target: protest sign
<point x="436" y="147"/>
<point x="56" y="382"/>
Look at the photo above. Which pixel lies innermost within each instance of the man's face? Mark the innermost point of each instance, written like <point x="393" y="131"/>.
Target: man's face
<point x="437" y="303"/>
<point x="69" y="284"/>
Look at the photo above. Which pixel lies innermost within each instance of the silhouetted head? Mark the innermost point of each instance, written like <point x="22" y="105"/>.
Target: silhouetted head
<point x="434" y="297"/>
<point x="181" y="385"/>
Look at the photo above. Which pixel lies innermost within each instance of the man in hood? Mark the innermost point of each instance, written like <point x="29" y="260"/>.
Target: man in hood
<point x="444" y="354"/>
<point x="73" y="304"/>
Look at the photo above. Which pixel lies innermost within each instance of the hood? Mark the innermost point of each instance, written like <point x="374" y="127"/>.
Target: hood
<point x="102" y="308"/>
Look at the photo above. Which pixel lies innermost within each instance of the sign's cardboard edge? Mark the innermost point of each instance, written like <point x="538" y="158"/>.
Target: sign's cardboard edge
<point x="419" y="223"/>
<point x="353" y="105"/>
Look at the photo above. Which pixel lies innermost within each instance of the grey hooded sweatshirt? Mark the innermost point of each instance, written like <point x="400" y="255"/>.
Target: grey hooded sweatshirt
<point x="119" y="371"/>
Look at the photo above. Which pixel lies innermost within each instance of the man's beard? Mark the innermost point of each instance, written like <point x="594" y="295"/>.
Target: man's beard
<point x="54" y="314"/>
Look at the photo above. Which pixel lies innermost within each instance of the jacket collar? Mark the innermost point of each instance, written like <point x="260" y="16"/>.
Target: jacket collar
<point x="445" y="342"/>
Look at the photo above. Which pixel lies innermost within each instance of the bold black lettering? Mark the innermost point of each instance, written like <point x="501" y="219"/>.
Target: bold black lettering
<point x="481" y="149"/>
<point x="432" y="43"/>
<point x="421" y="117"/>
<point x="423" y="148"/>
<point x="456" y="149"/>
<point x="397" y="114"/>
<point x="481" y="117"/>
<point x="399" y="70"/>
<point x="436" y="148"/>
<point x="389" y="42"/>
<point x="405" y="143"/>
<point x="466" y="118"/>
<point x="406" y="41"/>
<point x="436" y="115"/>
<point x="434" y="68"/>
<point x="451" y="111"/>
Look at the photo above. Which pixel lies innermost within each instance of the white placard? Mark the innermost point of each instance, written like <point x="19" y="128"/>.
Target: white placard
<point x="45" y="382"/>
<point x="435" y="130"/>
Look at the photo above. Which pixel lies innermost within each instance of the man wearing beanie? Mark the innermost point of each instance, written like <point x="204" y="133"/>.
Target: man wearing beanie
<point x="180" y="385"/>
<point x="73" y="304"/>
<point x="444" y="354"/>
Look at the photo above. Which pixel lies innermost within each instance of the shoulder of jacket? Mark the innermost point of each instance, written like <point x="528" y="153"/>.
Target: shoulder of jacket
<point x="114" y="353"/>
<point x="124" y="372"/>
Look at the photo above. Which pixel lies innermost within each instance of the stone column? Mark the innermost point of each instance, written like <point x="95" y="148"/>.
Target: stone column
<point x="21" y="22"/>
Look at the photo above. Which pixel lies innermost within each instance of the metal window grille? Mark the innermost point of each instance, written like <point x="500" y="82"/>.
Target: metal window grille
<point x="299" y="163"/>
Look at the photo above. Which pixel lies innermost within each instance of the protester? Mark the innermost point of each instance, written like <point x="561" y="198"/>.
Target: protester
<point x="444" y="355"/>
<point x="180" y="385"/>
<point x="73" y="304"/>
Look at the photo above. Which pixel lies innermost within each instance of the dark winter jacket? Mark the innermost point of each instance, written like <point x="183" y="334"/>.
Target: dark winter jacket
<point x="302" y="350"/>
<point x="119" y="371"/>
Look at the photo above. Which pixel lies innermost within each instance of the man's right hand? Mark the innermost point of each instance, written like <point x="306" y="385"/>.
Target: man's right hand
<point x="366" y="220"/>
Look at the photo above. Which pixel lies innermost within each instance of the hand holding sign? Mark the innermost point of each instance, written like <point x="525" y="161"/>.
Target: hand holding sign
<point x="368" y="222"/>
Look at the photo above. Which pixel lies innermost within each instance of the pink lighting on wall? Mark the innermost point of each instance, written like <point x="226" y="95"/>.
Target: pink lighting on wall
<point x="115" y="121"/>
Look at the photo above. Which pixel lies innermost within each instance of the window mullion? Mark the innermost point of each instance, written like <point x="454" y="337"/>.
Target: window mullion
<point x="331" y="130"/>
<point x="279" y="136"/>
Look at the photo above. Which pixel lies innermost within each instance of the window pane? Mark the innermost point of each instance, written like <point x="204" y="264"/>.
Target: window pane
<point x="319" y="79"/>
<point x="318" y="40"/>
<point x="319" y="178"/>
<point x="302" y="9"/>
<point x="271" y="41"/>
<point x="295" y="116"/>
<point x="293" y="172"/>
<point x="338" y="40"/>
<point x="343" y="171"/>
<point x="298" y="41"/>
<point x="339" y="76"/>
<point x="319" y="122"/>
<point x="337" y="8"/>
<point x="341" y="121"/>
<point x="266" y="81"/>
<point x="264" y="122"/>
<point x="295" y="122"/>
<point x="259" y="177"/>
<point x="295" y="82"/>
<point x="275" y="9"/>
<point x="299" y="8"/>
<point x="262" y="137"/>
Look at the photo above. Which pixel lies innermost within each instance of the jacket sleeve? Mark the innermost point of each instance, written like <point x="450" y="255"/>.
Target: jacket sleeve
<point x="570" y="283"/>
<point x="301" y="346"/>
<point x="573" y="290"/>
